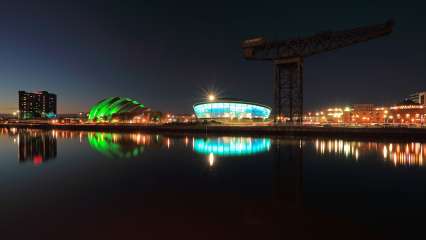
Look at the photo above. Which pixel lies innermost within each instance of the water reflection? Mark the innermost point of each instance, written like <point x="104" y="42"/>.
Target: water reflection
<point x="211" y="159"/>
<point x="39" y="146"/>
<point x="115" y="145"/>
<point x="288" y="172"/>
<point x="404" y="154"/>
<point x="348" y="149"/>
<point x="231" y="146"/>
<point x="399" y="154"/>
<point x="289" y="184"/>
<point x="34" y="146"/>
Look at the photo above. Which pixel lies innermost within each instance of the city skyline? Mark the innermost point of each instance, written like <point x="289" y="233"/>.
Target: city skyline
<point x="165" y="56"/>
<point x="216" y="119"/>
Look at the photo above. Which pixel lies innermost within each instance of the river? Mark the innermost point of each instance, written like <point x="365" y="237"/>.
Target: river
<point x="57" y="184"/>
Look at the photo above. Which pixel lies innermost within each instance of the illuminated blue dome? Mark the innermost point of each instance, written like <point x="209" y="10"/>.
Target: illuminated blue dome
<point x="231" y="109"/>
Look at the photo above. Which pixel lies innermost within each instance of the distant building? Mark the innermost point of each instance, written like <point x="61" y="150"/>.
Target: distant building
<point x="367" y="113"/>
<point x="36" y="105"/>
<point x="419" y="98"/>
<point x="181" y="118"/>
<point x="407" y="112"/>
<point x="355" y="114"/>
<point x="330" y="115"/>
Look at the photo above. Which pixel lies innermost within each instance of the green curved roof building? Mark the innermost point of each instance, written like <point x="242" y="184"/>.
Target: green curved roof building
<point x="110" y="107"/>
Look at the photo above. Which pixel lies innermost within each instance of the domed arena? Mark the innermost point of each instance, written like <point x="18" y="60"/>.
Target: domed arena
<point x="228" y="109"/>
<point x="115" y="107"/>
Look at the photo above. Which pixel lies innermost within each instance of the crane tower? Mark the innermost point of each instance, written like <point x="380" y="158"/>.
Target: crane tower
<point x="288" y="55"/>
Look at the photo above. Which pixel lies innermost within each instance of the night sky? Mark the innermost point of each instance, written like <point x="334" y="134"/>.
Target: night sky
<point x="167" y="54"/>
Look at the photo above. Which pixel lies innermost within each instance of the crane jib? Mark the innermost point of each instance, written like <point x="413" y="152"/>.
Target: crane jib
<point x="260" y="49"/>
<point x="288" y="55"/>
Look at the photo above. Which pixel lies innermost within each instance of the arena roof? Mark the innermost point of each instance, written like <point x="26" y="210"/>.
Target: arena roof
<point x="107" y="108"/>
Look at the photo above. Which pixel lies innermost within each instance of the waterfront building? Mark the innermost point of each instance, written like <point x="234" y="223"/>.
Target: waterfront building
<point x="229" y="110"/>
<point x="419" y="98"/>
<point x="117" y="109"/>
<point x="147" y="116"/>
<point x="366" y="114"/>
<point x="407" y="112"/>
<point x="71" y="118"/>
<point x="181" y="118"/>
<point x="355" y="114"/>
<point x="330" y="115"/>
<point x="37" y="105"/>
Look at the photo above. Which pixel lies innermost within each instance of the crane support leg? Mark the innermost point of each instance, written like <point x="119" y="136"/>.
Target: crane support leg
<point x="288" y="91"/>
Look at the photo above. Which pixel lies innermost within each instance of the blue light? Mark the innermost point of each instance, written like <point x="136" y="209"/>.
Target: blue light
<point x="231" y="110"/>
<point x="232" y="146"/>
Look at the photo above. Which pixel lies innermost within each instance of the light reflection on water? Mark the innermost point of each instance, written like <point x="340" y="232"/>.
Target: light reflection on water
<point x="33" y="146"/>
<point x="231" y="146"/>
<point x="116" y="145"/>
<point x="39" y="146"/>
<point x="399" y="154"/>
<point x="280" y="172"/>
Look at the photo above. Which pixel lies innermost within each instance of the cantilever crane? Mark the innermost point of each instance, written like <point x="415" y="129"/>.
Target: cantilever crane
<point x="288" y="55"/>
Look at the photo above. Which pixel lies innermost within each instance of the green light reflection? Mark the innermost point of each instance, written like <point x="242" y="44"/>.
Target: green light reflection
<point x="114" y="145"/>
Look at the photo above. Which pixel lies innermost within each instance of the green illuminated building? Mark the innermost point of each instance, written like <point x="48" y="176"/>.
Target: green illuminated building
<point x="115" y="107"/>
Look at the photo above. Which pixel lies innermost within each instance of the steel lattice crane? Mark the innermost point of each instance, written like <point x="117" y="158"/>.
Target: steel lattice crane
<point x="288" y="55"/>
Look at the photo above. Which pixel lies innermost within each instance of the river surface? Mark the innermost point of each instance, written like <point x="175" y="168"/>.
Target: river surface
<point x="83" y="185"/>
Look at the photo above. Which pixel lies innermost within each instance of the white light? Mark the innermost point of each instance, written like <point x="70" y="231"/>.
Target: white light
<point x="211" y="159"/>
<point x="211" y="97"/>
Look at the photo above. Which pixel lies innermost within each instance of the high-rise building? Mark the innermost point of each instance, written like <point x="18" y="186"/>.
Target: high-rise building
<point x="33" y="105"/>
<point x="419" y="98"/>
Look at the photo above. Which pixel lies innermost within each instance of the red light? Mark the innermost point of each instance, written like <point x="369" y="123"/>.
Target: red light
<point x="37" y="160"/>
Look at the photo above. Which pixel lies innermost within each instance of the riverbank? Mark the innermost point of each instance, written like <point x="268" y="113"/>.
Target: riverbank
<point x="309" y="131"/>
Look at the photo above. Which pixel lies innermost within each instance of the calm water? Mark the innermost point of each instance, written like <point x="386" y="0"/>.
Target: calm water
<point x="60" y="184"/>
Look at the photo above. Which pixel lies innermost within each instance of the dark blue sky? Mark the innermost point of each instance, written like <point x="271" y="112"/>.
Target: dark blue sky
<point x="164" y="53"/>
